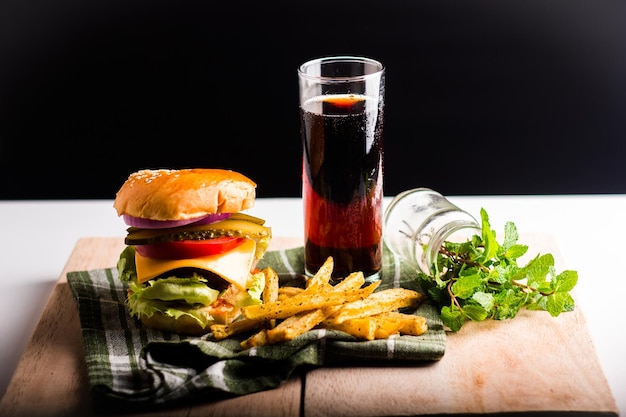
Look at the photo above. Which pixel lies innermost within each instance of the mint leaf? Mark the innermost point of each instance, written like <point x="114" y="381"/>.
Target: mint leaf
<point x="490" y="244"/>
<point x="508" y="303"/>
<point x="555" y="303"/>
<point x="510" y="236"/>
<point x="516" y="251"/>
<point x="565" y="281"/>
<point x="538" y="269"/>
<point x="475" y="312"/>
<point x="465" y="287"/>
<point x="484" y="299"/>
<point x="481" y="279"/>
<point x="452" y="318"/>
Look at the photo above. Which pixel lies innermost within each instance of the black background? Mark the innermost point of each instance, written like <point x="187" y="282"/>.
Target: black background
<point x="483" y="97"/>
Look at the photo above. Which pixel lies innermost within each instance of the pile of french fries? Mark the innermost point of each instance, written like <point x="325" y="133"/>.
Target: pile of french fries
<point x="348" y="306"/>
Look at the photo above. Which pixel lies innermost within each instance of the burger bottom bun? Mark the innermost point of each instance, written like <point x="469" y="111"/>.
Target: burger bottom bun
<point x="182" y="325"/>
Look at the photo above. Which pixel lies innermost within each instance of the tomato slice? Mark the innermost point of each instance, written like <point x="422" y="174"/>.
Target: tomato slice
<point x="182" y="249"/>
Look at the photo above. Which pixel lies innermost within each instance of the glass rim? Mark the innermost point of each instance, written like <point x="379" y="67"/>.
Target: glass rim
<point x="380" y="68"/>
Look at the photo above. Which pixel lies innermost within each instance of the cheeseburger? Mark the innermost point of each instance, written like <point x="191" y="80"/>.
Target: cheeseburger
<point x="190" y="252"/>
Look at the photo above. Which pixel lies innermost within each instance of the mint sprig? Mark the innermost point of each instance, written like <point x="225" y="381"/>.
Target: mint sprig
<point x="480" y="279"/>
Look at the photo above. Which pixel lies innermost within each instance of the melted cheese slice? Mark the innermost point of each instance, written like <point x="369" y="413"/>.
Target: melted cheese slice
<point x="234" y="266"/>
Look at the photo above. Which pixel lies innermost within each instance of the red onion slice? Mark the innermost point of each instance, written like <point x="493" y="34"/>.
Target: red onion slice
<point x="163" y="224"/>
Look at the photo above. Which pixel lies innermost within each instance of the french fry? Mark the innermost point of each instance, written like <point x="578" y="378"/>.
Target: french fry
<point x="295" y="325"/>
<point x="287" y="292"/>
<point x="352" y="282"/>
<point x="410" y="324"/>
<point x="379" y="302"/>
<point x="320" y="281"/>
<point x="348" y="306"/>
<point x="257" y="339"/>
<point x="302" y="322"/>
<point x="222" y="331"/>
<point x="305" y="302"/>
<point x="270" y="291"/>
<point x="363" y="328"/>
<point x="381" y="326"/>
<point x="386" y="326"/>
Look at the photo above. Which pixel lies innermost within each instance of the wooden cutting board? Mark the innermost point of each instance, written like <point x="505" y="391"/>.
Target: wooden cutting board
<point x="533" y="363"/>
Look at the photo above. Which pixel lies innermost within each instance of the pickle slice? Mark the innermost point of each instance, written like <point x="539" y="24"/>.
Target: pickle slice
<point x="244" y="216"/>
<point x="229" y="227"/>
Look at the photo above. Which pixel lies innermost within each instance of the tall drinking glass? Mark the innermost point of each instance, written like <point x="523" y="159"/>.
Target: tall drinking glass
<point x="341" y="114"/>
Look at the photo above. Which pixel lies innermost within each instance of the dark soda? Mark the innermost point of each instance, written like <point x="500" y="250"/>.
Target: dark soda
<point x="343" y="183"/>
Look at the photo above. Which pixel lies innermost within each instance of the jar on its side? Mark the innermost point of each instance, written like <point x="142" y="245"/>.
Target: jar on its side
<point x="417" y="222"/>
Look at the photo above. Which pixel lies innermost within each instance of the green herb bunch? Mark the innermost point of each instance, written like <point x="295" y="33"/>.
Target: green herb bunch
<point x="481" y="279"/>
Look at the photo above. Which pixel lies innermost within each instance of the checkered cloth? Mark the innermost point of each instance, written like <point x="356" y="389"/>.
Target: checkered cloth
<point x="129" y="364"/>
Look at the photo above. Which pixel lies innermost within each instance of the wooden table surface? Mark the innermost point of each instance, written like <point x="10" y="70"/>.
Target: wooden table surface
<point x="533" y="363"/>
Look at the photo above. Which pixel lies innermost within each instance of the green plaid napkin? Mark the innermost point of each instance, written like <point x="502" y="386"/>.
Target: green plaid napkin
<point x="133" y="365"/>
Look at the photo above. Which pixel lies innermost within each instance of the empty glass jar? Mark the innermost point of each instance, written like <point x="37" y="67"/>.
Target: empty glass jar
<point x="418" y="221"/>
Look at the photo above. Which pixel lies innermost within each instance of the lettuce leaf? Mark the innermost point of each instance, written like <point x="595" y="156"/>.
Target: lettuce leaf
<point x="176" y="296"/>
<point x="145" y="307"/>
<point x="192" y="291"/>
<point x="126" y="265"/>
<point x="256" y="284"/>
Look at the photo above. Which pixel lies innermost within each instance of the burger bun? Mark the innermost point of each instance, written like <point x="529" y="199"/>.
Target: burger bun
<point x="183" y="325"/>
<point x="164" y="194"/>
